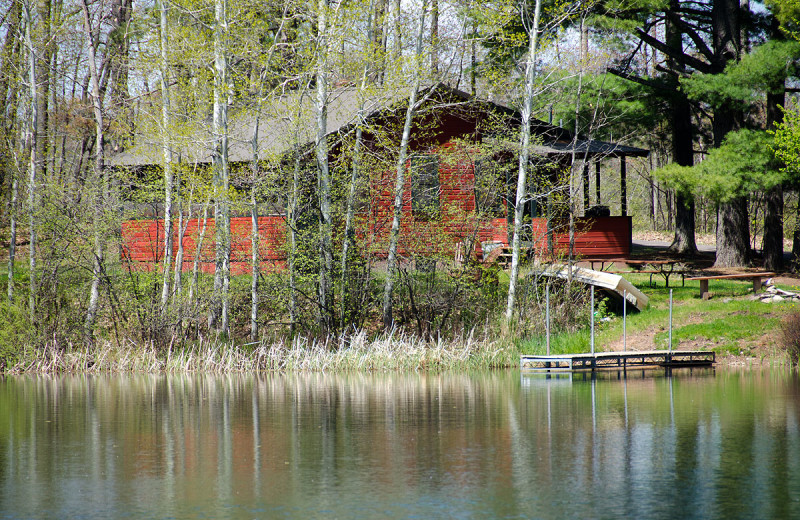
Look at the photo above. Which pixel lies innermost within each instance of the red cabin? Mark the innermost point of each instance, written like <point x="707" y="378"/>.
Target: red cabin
<point x="460" y="188"/>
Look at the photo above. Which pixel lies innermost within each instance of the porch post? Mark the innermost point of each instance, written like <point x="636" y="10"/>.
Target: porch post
<point x="585" y="186"/>
<point x="623" y="186"/>
<point x="597" y="182"/>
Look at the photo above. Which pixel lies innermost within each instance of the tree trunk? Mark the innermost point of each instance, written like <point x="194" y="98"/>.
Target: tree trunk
<point x="292" y="214"/>
<point x="218" y="317"/>
<point x="198" y="250"/>
<point x="525" y="142"/>
<point x="349" y="235"/>
<point x="177" y="283"/>
<point x="733" y="243"/>
<point x="733" y="231"/>
<point x="47" y="48"/>
<point x="12" y="239"/>
<point x="119" y="46"/>
<point x="773" y="209"/>
<point x="166" y="150"/>
<point x="399" y="187"/>
<point x="323" y="173"/>
<point x="397" y="32"/>
<point x="94" y="292"/>
<point x="684" y="241"/>
<point x="773" y="229"/>
<point x="434" y="38"/>
<point x="254" y="239"/>
<point x="9" y="91"/>
<point x="33" y="163"/>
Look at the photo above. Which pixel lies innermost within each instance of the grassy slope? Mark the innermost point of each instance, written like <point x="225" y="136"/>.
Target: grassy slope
<point x="731" y="323"/>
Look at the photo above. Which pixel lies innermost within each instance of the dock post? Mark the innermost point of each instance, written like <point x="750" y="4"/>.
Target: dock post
<point x="669" y="346"/>
<point x="547" y="316"/>
<point x="624" y="319"/>
<point x="591" y="313"/>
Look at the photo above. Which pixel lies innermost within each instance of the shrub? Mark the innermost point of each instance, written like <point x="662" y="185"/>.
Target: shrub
<point x="14" y="330"/>
<point x="790" y="332"/>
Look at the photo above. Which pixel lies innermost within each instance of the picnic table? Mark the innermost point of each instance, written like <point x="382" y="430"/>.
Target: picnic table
<point x="665" y="268"/>
<point x="756" y="277"/>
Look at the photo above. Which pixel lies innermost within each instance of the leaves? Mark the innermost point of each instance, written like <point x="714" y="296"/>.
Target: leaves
<point x="743" y="164"/>
<point x="762" y="71"/>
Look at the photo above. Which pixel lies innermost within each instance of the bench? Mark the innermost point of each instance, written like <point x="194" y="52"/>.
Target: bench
<point x="756" y="277"/>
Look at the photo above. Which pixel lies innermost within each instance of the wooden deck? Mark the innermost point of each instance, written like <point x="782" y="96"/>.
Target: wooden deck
<point x="616" y="360"/>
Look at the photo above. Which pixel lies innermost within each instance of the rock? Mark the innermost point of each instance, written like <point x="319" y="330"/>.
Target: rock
<point x="777" y="298"/>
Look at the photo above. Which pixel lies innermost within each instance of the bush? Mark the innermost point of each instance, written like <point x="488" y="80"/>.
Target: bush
<point x="14" y="330"/>
<point x="790" y="332"/>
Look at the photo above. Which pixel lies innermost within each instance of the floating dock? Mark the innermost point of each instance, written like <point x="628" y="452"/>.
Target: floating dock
<point x="617" y="360"/>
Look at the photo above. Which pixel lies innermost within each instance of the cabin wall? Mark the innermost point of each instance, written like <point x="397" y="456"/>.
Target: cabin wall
<point x="143" y="243"/>
<point x="421" y="234"/>
<point x="426" y="235"/>
<point x="599" y="237"/>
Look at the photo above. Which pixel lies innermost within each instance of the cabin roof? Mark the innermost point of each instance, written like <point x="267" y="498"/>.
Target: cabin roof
<point x="288" y="122"/>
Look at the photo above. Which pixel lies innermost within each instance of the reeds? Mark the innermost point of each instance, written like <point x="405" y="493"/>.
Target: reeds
<point x="390" y="352"/>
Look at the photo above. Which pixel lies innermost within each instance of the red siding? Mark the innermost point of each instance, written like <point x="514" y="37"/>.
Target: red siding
<point x="144" y="243"/>
<point x="599" y="237"/>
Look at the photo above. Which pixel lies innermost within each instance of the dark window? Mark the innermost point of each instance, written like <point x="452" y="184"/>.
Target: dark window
<point x="492" y="186"/>
<point x="425" y="186"/>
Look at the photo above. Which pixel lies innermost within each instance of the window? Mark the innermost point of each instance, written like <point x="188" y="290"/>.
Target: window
<point x="425" y="186"/>
<point x="493" y="181"/>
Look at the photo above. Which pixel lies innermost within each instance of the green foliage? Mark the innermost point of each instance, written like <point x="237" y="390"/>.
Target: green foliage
<point x="788" y="13"/>
<point x="15" y="328"/>
<point x="786" y="145"/>
<point x="764" y="70"/>
<point x="743" y="164"/>
<point x="611" y="106"/>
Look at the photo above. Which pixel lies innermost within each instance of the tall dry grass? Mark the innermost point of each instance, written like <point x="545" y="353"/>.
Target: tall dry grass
<point x="391" y="352"/>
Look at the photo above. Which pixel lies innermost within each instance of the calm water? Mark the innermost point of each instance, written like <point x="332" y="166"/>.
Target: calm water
<point x="707" y="444"/>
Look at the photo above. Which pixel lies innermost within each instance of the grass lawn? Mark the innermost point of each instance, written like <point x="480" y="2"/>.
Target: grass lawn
<point x="731" y="323"/>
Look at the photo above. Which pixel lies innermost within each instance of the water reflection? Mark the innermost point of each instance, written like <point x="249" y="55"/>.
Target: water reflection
<point x="698" y="444"/>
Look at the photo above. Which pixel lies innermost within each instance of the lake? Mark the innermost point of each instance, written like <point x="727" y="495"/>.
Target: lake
<point x="696" y="444"/>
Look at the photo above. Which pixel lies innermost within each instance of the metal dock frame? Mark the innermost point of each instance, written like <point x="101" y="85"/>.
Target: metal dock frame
<point x="616" y="360"/>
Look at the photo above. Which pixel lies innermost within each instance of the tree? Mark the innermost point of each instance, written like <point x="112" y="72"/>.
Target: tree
<point x="525" y="143"/>
<point x="33" y="151"/>
<point x="98" y="178"/>
<point x="12" y="55"/>
<point x="166" y="128"/>
<point x="394" y="234"/>
<point x="323" y="172"/>
<point x="219" y="318"/>
<point x="754" y="84"/>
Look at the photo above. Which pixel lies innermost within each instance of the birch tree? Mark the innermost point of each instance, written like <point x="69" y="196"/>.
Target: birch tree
<point x="349" y="234"/>
<point x="33" y="156"/>
<point x="218" y="318"/>
<point x="9" y="93"/>
<point x="94" y="291"/>
<point x="166" y="149"/>
<point x="254" y="237"/>
<point x="524" y="155"/>
<point x="394" y="233"/>
<point x="323" y="172"/>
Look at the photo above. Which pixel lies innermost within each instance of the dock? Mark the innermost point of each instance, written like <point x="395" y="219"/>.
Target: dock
<point x="617" y="360"/>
